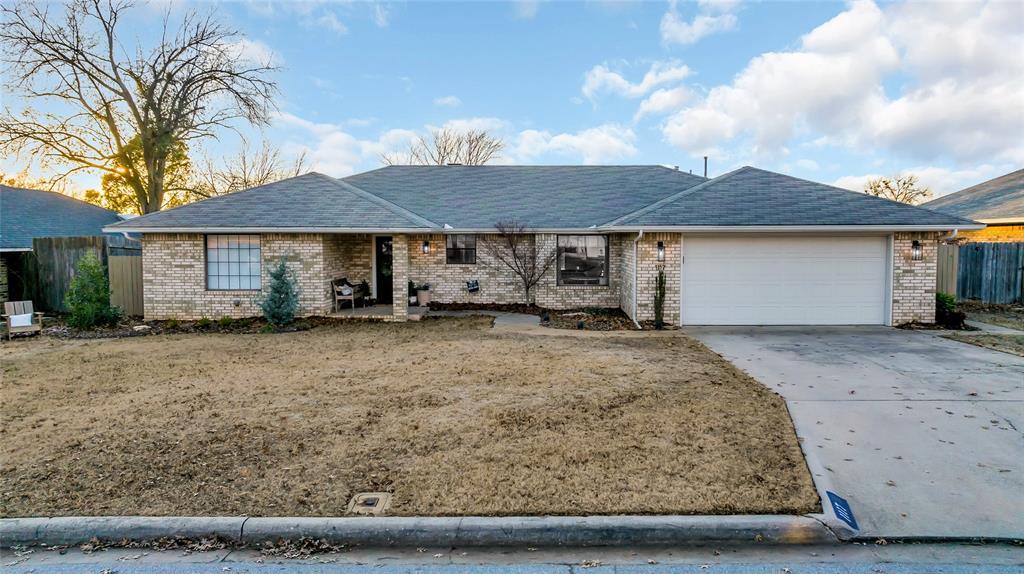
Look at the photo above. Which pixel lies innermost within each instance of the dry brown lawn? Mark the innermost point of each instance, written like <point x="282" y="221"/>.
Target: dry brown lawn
<point x="1013" y="344"/>
<point x="451" y="416"/>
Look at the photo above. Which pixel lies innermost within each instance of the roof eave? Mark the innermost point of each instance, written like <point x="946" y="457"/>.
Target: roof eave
<point x="1002" y="220"/>
<point x="788" y="228"/>
<point x="15" y="249"/>
<point x="234" y="230"/>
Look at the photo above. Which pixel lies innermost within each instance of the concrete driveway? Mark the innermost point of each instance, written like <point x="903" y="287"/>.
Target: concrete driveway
<point x="922" y="435"/>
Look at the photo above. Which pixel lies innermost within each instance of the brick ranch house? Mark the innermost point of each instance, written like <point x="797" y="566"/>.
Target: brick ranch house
<point x="750" y="247"/>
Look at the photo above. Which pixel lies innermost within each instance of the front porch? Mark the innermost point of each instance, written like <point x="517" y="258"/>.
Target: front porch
<point x="379" y="313"/>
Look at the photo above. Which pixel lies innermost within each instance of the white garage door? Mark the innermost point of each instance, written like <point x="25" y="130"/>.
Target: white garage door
<point x="744" y="280"/>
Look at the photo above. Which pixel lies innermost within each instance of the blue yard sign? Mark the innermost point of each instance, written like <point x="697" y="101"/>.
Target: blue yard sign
<point x="842" y="509"/>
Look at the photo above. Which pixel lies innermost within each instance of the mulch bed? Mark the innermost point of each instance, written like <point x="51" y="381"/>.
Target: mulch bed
<point x="500" y="307"/>
<point x="139" y="328"/>
<point x="589" y="320"/>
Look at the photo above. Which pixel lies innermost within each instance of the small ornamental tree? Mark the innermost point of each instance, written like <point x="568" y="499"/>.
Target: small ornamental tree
<point x="88" y="297"/>
<point x="282" y="300"/>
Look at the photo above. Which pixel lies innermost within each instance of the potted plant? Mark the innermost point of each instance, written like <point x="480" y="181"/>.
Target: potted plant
<point x="412" y="293"/>
<point x="423" y="294"/>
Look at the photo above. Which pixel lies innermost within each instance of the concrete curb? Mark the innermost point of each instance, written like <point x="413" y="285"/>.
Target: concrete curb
<point x="431" y="532"/>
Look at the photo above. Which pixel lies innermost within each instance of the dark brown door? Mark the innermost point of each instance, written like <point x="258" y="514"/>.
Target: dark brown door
<point x="385" y="280"/>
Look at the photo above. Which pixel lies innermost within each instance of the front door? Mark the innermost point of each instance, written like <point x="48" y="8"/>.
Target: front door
<point x="385" y="280"/>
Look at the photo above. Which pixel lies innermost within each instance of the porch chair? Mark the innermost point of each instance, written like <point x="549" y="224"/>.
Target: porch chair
<point x="345" y="291"/>
<point x="21" y="318"/>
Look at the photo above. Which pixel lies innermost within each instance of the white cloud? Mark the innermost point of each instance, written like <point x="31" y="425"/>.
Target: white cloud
<point x="964" y="103"/>
<point x="663" y="101"/>
<point x="381" y="15"/>
<point x="330" y="20"/>
<point x="448" y="101"/>
<point x="253" y="52"/>
<point x="474" y="124"/>
<point x="526" y="9"/>
<point x="715" y="16"/>
<point x="940" y="180"/>
<point x="602" y="144"/>
<point x="601" y="79"/>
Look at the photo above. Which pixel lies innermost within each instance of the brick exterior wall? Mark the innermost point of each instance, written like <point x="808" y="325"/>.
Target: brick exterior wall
<point x="174" y="276"/>
<point x="913" y="282"/>
<point x="647" y="275"/>
<point x="995" y="234"/>
<point x="498" y="284"/>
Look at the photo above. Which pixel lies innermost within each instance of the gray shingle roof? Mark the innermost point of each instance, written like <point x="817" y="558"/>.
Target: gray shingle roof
<point x="28" y="213"/>
<point x="999" y="198"/>
<point x="543" y="197"/>
<point x="310" y="201"/>
<point x="755" y="197"/>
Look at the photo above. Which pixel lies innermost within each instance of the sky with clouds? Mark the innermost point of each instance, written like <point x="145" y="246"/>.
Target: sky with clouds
<point x="829" y="91"/>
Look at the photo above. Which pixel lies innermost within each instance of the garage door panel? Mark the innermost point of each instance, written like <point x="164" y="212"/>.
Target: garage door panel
<point x="739" y="280"/>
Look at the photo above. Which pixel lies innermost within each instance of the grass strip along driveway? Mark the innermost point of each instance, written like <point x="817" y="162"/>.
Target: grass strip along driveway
<point x="449" y="415"/>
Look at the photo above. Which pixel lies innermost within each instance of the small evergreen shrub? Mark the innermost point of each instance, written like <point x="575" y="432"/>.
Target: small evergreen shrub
<point x="204" y="323"/>
<point x="659" y="301"/>
<point x="225" y="321"/>
<point x="946" y="313"/>
<point x="282" y="300"/>
<point x="88" y="298"/>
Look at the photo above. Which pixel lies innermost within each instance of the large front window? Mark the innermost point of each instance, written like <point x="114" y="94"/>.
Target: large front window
<point x="460" y="250"/>
<point x="582" y="259"/>
<point x="233" y="262"/>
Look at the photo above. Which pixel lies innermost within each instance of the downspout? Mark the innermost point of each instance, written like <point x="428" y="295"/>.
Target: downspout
<point x="951" y="237"/>
<point x="636" y="267"/>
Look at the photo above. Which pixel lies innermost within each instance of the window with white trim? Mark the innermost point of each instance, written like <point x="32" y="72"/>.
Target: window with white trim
<point x="233" y="262"/>
<point x="460" y="250"/>
<point x="582" y="259"/>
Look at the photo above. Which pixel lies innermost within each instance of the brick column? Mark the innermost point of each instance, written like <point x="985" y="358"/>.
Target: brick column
<point x="400" y="276"/>
<point x="913" y="282"/>
<point x="647" y="275"/>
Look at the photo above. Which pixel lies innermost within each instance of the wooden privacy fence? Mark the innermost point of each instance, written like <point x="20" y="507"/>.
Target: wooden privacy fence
<point x="47" y="273"/>
<point x="947" y="265"/>
<point x="126" y="283"/>
<point x="991" y="272"/>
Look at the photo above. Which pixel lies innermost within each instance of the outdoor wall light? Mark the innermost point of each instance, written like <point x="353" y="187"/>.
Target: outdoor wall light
<point x="426" y="247"/>
<point x="661" y="251"/>
<point x="916" y="252"/>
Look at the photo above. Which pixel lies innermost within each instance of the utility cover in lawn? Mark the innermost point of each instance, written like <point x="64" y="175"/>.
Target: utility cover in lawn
<point x="450" y="416"/>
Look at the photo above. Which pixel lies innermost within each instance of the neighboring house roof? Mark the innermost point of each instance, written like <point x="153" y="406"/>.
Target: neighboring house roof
<point x="999" y="200"/>
<point x="750" y="197"/>
<point x="308" y="202"/>
<point x="29" y="213"/>
<point x="475" y="198"/>
<point x="541" y="196"/>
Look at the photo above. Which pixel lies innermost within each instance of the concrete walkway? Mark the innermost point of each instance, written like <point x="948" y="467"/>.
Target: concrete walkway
<point x="921" y="434"/>
<point x="990" y="329"/>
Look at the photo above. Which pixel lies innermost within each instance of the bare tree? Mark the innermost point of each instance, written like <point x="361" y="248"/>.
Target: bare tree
<point x="448" y="146"/>
<point x="515" y="246"/>
<point x="901" y="188"/>
<point x="248" y="168"/>
<point x="23" y="180"/>
<point x="195" y="81"/>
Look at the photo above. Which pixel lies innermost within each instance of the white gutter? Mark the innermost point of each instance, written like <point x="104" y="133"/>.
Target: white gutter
<point x="15" y="249"/>
<point x="785" y="228"/>
<point x="130" y="229"/>
<point x="1003" y="220"/>
<point x="636" y="267"/>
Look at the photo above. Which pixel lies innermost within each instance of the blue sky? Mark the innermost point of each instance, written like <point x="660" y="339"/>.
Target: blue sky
<point x="829" y="91"/>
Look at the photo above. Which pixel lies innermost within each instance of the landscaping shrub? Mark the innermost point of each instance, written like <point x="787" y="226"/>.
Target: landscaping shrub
<point x="659" y="301"/>
<point x="946" y="313"/>
<point x="88" y="298"/>
<point x="282" y="300"/>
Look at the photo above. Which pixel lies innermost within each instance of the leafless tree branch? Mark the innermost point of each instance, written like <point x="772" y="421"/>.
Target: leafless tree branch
<point x="192" y="83"/>
<point x="515" y="246"/>
<point x="449" y="147"/>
